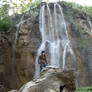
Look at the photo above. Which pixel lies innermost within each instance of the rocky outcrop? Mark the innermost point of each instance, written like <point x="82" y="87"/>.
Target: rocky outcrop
<point x="52" y="80"/>
<point x="17" y="65"/>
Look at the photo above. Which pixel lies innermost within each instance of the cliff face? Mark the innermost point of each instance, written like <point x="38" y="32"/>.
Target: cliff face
<point x="81" y="39"/>
<point x="17" y="62"/>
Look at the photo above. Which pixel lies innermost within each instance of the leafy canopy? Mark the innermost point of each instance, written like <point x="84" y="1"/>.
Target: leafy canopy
<point x="20" y="6"/>
<point x="5" y="22"/>
<point x="17" y="7"/>
<point x="81" y="8"/>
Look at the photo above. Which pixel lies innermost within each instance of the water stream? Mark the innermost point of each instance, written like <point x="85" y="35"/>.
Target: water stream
<point x="90" y="23"/>
<point x="14" y="43"/>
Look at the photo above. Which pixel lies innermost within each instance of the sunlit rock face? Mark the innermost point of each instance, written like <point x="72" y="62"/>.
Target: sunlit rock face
<point x="29" y="40"/>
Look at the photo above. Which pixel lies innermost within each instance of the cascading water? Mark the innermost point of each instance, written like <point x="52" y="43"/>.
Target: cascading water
<point x="14" y="44"/>
<point x="54" y="32"/>
<point x="90" y="23"/>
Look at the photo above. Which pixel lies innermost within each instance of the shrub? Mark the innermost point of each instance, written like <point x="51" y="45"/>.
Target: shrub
<point x="5" y="24"/>
<point x="81" y="8"/>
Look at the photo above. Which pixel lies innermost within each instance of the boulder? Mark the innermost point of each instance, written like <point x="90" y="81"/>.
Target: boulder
<point x="52" y="79"/>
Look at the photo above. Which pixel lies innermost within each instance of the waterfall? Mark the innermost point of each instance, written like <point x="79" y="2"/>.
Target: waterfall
<point x="42" y="47"/>
<point x="90" y="23"/>
<point x="14" y="43"/>
<point x="54" y="32"/>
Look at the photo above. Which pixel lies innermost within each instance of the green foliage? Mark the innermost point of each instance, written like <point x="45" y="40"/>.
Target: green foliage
<point x="5" y="22"/>
<point x="87" y="89"/>
<point x="84" y="44"/>
<point x="30" y="5"/>
<point x="36" y="4"/>
<point x="22" y="6"/>
<point x="85" y="9"/>
<point x="82" y="41"/>
<point x="4" y="11"/>
<point x="25" y="6"/>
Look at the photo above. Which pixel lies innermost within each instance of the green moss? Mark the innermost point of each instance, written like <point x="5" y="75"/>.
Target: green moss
<point x="82" y="41"/>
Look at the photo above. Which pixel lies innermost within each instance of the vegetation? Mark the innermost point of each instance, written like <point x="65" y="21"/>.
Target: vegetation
<point x="5" y="22"/>
<point x="87" y="89"/>
<point x="81" y="8"/>
<point x="36" y="4"/>
<point x="24" y="6"/>
<point x="21" y="5"/>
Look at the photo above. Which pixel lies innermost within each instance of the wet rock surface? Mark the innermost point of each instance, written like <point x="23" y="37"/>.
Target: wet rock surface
<point x="81" y="39"/>
<point x="29" y="40"/>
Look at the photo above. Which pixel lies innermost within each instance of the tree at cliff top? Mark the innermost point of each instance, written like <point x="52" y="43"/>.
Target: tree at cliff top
<point x="5" y="22"/>
<point x="81" y="8"/>
<point x="17" y="7"/>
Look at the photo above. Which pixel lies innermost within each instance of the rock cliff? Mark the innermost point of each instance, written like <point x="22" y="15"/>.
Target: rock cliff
<point x="17" y="61"/>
